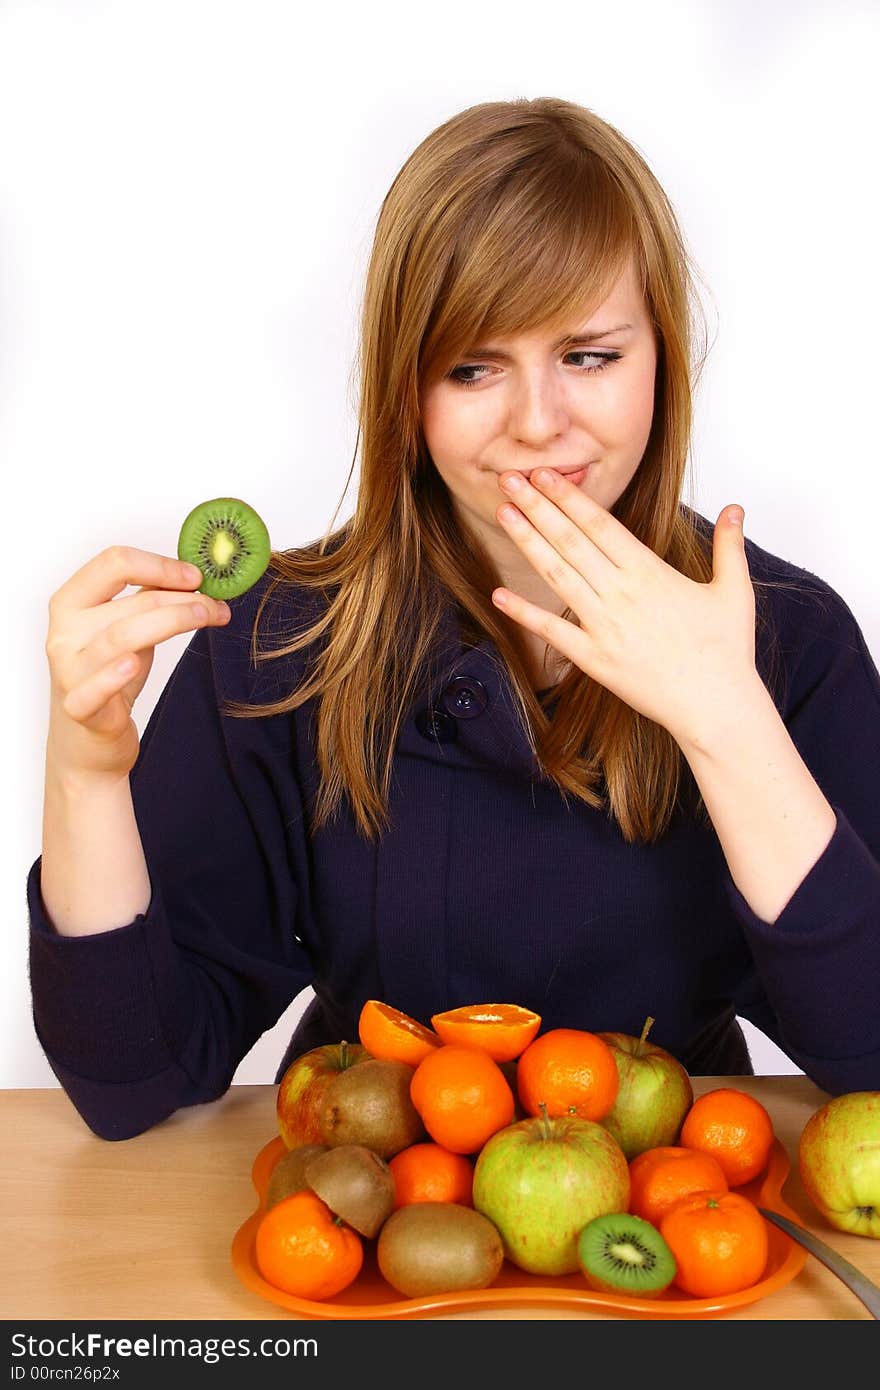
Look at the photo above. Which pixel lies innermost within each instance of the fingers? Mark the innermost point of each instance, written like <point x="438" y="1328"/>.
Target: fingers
<point x="109" y="572"/>
<point x="554" y="540"/>
<point x="127" y="637"/>
<point x="562" y="634"/>
<point x="91" y="695"/>
<point x="148" y="629"/>
<point x="565" y="564"/>
<point x="100" y="650"/>
<point x="559" y="508"/>
<point x="92" y="620"/>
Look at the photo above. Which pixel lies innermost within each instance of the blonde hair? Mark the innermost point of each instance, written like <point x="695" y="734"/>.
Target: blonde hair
<point x="509" y="216"/>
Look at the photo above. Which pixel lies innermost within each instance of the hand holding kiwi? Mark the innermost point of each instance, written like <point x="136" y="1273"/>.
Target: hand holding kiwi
<point x="91" y="730"/>
<point x="92" y="633"/>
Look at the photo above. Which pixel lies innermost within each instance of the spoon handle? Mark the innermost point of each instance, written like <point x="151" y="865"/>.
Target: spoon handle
<point x="854" y="1279"/>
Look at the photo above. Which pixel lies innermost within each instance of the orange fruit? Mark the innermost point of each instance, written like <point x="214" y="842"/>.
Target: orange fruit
<point x="659" y="1177"/>
<point x="719" y="1240"/>
<point x="391" y="1036"/>
<point x="502" y="1030"/>
<point x="461" y="1096"/>
<point x="569" y="1070"/>
<point x="303" y="1248"/>
<point x="430" y="1173"/>
<point x="734" y="1128"/>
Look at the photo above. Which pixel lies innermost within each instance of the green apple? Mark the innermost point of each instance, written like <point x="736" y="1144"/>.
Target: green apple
<point x="540" y="1180"/>
<point x="839" y="1161"/>
<point x="303" y="1086"/>
<point x="653" y="1097"/>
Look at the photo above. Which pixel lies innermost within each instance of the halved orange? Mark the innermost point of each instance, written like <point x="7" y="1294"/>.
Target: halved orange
<point x="502" y="1030"/>
<point x="393" y="1036"/>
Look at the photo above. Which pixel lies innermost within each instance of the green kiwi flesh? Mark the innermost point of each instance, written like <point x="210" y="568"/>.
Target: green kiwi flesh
<point x="620" y="1253"/>
<point x="228" y="542"/>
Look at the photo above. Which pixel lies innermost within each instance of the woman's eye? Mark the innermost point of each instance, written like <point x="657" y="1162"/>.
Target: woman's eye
<point x="601" y="360"/>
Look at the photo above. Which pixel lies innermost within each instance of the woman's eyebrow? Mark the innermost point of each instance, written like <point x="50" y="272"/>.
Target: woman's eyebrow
<point x="568" y="341"/>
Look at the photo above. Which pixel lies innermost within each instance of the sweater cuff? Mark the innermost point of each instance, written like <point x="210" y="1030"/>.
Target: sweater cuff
<point x="127" y="1109"/>
<point x="820" y="959"/>
<point x="138" y="1033"/>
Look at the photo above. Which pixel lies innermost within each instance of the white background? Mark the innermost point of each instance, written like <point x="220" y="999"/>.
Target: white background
<point x="188" y="193"/>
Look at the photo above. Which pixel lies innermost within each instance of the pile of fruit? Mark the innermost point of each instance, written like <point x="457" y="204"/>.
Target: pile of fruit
<point x="481" y="1138"/>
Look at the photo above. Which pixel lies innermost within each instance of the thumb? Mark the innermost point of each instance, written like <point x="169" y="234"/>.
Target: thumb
<point x="728" y="544"/>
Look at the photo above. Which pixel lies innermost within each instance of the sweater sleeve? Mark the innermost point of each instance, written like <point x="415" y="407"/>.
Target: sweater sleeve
<point x="157" y="1014"/>
<point x="820" y="960"/>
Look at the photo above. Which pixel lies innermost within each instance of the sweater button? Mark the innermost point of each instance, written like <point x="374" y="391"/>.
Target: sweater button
<point x="433" y="724"/>
<point x="464" y="697"/>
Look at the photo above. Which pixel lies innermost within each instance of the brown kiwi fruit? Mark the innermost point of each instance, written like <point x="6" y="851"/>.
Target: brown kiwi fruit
<point x="289" y="1174"/>
<point x="438" y="1247"/>
<point x="355" y="1183"/>
<point x="370" y="1104"/>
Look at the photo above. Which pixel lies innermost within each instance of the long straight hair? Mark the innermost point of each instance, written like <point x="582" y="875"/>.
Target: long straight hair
<point x="510" y="216"/>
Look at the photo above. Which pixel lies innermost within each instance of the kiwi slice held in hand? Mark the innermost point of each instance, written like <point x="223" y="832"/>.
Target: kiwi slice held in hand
<point x="620" y="1253"/>
<point x="228" y="542"/>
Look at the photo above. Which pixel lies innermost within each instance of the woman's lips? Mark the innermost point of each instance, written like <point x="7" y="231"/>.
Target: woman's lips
<point x="575" y="478"/>
<point x="578" y="476"/>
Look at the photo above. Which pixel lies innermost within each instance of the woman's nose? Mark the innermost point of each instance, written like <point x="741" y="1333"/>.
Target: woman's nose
<point x="538" y="409"/>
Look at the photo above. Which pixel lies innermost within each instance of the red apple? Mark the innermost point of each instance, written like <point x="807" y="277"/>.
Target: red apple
<point x="541" y="1180"/>
<point x="839" y="1161"/>
<point x="653" y="1097"/>
<point x="303" y="1086"/>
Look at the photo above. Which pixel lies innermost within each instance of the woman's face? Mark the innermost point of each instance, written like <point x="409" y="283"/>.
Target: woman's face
<point x="534" y="402"/>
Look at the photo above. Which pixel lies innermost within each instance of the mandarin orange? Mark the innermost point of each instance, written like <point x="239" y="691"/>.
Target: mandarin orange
<point x="462" y="1097"/>
<point x="571" y="1071"/>
<point x="734" y="1128"/>
<point x="719" y="1240"/>
<point x="303" y="1248"/>
<point x="659" y="1177"/>
<point x="430" y="1173"/>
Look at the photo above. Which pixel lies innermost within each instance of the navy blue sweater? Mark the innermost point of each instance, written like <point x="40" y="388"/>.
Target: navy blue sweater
<point x="485" y="888"/>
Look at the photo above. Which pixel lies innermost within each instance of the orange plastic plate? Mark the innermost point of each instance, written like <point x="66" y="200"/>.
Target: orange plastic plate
<point x="370" y="1296"/>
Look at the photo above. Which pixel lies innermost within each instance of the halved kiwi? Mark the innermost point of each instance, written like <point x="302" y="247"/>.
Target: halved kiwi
<point x="355" y="1183"/>
<point x="228" y="542"/>
<point x="620" y="1253"/>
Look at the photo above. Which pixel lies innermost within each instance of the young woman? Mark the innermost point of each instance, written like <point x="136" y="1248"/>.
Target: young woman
<point x="567" y="744"/>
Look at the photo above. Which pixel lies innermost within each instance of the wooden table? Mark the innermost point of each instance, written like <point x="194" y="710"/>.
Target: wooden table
<point x="141" y="1228"/>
